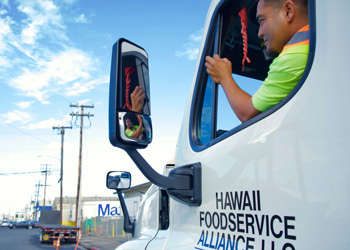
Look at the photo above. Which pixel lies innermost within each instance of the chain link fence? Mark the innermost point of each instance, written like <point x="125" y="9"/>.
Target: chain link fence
<point x="108" y="227"/>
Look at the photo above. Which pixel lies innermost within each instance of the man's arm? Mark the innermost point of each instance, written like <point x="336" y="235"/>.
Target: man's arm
<point x="139" y="130"/>
<point x="137" y="97"/>
<point x="220" y="70"/>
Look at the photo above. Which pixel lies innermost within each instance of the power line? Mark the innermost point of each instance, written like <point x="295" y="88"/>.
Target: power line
<point x="26" y="133"/>
<point x="32" y="172"/>
<point x="23" y="150"/>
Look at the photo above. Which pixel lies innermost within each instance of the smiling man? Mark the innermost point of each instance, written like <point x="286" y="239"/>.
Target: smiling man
<point x="285" y="31"/>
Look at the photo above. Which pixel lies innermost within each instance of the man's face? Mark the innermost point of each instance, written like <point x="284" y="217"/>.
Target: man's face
<point x="270" y="18"/>
<point x="128" y="124"/>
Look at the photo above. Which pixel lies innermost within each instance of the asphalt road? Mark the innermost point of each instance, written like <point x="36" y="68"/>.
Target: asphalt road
<point x="22" y="238"/>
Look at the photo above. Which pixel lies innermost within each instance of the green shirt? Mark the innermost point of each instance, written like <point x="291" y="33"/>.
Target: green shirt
<point x="285" y="72"/>
<point x="129" y="132"/>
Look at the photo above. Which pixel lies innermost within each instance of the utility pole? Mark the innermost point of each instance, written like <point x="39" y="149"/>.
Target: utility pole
<point x="45" y="171"/>
<point x="62" y="128"/>
<point x="37" y="199"/>
<point x="37" y="195"/>
<point x="82" y="115"/>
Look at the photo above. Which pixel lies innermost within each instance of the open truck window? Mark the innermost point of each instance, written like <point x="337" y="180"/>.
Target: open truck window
<point x="212" y="116"/>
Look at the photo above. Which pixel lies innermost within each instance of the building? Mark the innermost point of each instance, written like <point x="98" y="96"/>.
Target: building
<point x="39" y="206"/>
<point x="98" y="206"/>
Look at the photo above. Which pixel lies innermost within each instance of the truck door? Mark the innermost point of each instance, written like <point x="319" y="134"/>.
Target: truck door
<point x="246" y="168"/>
<point x="147" y="221"/>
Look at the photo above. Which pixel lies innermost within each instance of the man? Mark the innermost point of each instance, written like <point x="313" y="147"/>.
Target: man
<point x="283" y="26"/>
<point x="134" y="131"/>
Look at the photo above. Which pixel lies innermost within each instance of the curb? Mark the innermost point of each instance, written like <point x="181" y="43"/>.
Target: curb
<point x="86" y="246"/>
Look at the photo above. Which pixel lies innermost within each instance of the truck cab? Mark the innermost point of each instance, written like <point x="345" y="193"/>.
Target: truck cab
<point x="279" y="181"/>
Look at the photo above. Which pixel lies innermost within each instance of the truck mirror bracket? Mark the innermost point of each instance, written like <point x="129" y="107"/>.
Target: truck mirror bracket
<point x="192" y="196"/>
<point x="184" y="183"/>
<point x="129" y="227"/>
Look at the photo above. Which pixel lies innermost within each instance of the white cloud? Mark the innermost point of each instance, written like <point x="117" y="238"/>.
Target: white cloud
<point x="48" y="124"/>
<point x="190" y="53"/>
<point x="190" y="48"/>
<point x="24" y="105"/>
<point x="4" y="30"/>
<point x="4" y="63"/>
<point x="83" y="87"/>
<point x="43" y="18"/>
<point x="69" y="1"/>
<point x="85" y="101"/>
<point x="66" y="67"/>
<point x="197" y="37"/>
<point x="4" y="2"/>
<point x="40" y="95"/>
<point x="70" y="65"/>
<point x="15" y="116"/>
<point x="42" y="71"/>
<point x="82" y="19"/>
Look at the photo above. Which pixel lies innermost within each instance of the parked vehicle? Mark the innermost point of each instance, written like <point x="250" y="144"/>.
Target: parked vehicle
<point x="21" y="224"/>
<point x="5" y="223"/>
<point x="34" y="223"/>
<point x="51" y="229"/>
<point x="279" y="181"/>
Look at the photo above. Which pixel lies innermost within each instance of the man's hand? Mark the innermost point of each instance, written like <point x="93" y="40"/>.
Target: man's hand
<point x="240" y="101"/>
<point x="137" y="97"/>
<point x="139" y="118"/>
<point x="219" y="69"/>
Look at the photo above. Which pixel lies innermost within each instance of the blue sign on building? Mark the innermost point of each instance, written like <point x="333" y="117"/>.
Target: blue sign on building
<point x="107" y="210"/>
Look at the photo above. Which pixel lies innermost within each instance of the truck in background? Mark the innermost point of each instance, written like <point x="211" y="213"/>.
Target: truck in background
<point x="279" y="181"/>
<point x="51" y="229"/>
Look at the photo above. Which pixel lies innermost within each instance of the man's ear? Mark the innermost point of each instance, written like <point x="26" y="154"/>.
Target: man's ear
<point x="289" y="10"/>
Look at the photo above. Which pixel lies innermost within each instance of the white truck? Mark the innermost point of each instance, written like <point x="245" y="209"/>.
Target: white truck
<point x="280" y="181"/>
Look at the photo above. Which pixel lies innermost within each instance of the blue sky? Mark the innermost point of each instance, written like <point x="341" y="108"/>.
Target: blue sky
<point x="57" y="52"/>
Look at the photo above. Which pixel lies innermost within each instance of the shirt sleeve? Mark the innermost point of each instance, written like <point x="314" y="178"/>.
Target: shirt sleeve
<point x="128" y="132"/>
<point x="285" y="72"/>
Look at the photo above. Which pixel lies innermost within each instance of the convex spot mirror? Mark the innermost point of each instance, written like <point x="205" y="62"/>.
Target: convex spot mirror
<point x="129" y="97"/>
<point x="118" y="180"/>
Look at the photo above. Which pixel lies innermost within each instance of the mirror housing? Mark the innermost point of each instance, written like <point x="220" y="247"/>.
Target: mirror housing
<point x="118" y="180"/>
<point x="130" y="124"/>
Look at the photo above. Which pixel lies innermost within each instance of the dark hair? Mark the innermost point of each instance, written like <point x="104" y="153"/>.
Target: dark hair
<point x="301" y="4"/>
<point x="131" y="117"/>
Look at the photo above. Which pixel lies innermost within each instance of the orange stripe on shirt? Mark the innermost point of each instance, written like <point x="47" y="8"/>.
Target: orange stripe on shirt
<point x="305" y="28"/>
<point x="296" y="44"/>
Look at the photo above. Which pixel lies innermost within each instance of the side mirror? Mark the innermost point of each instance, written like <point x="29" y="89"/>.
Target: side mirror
<point x="130" y="125"/>
<point x="129" y="96"/>
<point x="118" y="180"/>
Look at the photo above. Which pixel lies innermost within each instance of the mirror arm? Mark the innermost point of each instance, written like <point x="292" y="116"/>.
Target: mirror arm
<point x="162" y="181"/>
<point x="183" y="183"/>
<point x="129" y="227"/>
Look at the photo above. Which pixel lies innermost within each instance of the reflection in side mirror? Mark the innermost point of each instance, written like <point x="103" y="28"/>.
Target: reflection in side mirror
<point x="118" y="180"/>
<point x="137" y="128"/>
<point x="129" y="96"/>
